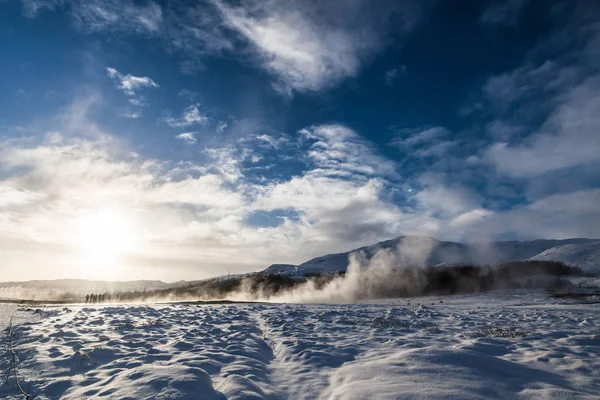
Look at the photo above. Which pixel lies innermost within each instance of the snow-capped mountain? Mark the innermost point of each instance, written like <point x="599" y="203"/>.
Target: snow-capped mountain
<point x="584" y="255"/>
<point x="422" y="250"/>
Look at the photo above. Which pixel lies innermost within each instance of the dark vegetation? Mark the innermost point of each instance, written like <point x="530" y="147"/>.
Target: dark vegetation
<point x="510" y="332"/>
<point x="400" y="282"/>
<point x="575" y="296"/>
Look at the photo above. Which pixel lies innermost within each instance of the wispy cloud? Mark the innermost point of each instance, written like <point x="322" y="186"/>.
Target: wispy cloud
<point x="337" y="150"/>
<point x="307" y="46"/>
<point x="129" y="83"/>
<point x="32" y="7"/>
<point x="563" y="94"/>
<point x="391" y="75"/>
<point x="221" y="126"/>
<point x="310" y="46"/>
<point x="413" y="137"/>
<point x="271" y="141"/>
<point x="187" y="137"/>
<point x="568" y="138"/>
<point x="190" y="116"/>
<point x="425" y="142"/>
<point x="503" y="12"/>
<point x="99" y="15"/>
<point x="135" y="114"/>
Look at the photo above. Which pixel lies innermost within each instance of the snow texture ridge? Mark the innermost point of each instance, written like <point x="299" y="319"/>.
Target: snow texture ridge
<point x="485" y="346"/>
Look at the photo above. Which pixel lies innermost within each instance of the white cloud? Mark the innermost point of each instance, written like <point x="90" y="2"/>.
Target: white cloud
<point x="129" y="83"/>
<point x="183" y="212"/>
<point x="337" y="150"/>
<point x="558" y="216"/>
<point x="53" y="183"/>
<point x="207" y="190"/>
<point x="310" y="46"/>
<point x="188" y="137"/>
<point x="10" y="196"/>
<point x="448" y="200"/>
<point x="190" y="116"/>
<point x="567" y="139"/>
<point x="180" y="217"/>
<point x="544" y="115"/>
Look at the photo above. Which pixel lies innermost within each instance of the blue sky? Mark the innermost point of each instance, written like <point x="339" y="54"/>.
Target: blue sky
<point x="179" y="140"/>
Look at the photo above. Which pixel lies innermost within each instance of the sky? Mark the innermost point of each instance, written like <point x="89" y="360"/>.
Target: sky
<point x="182" y="140"/>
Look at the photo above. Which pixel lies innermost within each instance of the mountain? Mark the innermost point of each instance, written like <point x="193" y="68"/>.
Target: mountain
<point x="423" y="250"/>
<point x="584" y="255"/>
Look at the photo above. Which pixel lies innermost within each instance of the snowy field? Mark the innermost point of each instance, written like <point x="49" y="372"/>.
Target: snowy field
<point x="425" y="348"/>
<point x="18" y="315"/>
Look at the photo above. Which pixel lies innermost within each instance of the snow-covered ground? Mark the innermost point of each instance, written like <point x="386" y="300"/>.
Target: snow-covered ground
<point x="424" y="348"/>
<point x="10" y="311"/>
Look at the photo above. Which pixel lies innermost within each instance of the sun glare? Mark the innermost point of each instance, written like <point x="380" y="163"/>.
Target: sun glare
<point x="105" y="236"/>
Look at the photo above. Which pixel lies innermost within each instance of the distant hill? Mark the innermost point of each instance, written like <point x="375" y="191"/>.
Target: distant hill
<point x="427" y="251"/>
<point x="57" y="288"/>
<point x="79" y="284"/>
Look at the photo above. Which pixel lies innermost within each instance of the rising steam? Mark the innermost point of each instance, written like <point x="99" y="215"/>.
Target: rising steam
<point x="365" y="277"/>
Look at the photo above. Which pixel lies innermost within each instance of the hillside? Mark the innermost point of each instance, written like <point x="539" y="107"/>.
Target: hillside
<point x="427" y="251"/>
<point x="57" y="288"/>
<point x="584" y="255"/>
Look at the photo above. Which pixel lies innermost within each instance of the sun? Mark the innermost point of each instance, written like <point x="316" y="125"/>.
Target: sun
<point x="104" y="236"/>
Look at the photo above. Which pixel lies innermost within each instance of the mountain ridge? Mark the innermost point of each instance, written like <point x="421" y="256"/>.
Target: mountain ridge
<point x="428" y="251"/>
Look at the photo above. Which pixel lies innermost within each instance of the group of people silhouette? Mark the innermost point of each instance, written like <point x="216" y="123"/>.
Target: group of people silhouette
<point x="96" y="298"/>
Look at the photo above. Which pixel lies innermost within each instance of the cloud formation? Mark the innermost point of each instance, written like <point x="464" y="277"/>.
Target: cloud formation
<point x="563" y="93"/>
<point x="310" y="46"/>
<point x="307" y="46"/>
<point x="190" y="116"/>
<point x="129" y="83"/>
<point x="187" y="137"/>
<point x="184" y="212"/>
<point x="98" y="15"/>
